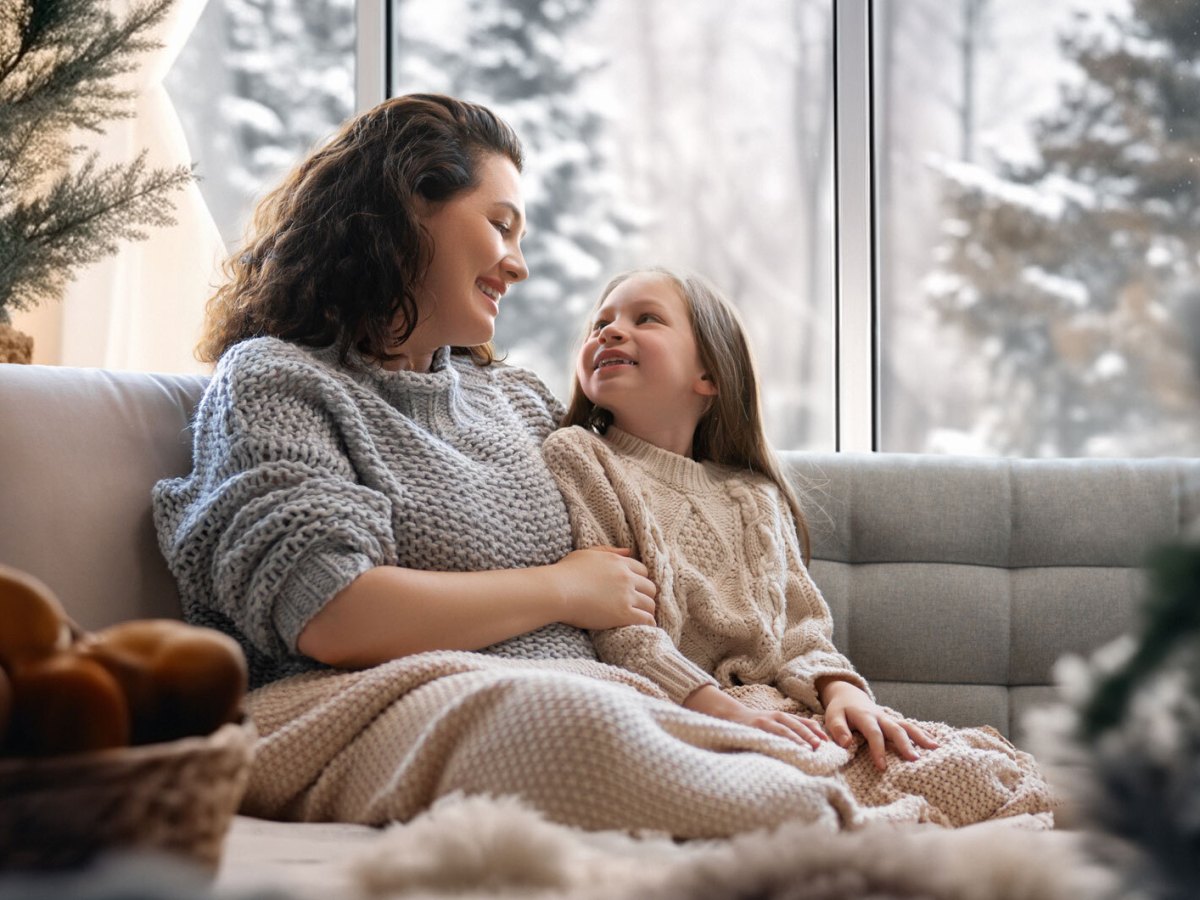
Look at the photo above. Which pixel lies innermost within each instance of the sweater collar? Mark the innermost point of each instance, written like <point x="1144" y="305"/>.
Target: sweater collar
<point x="441" y="378"/>
<point x="679" y="471"/>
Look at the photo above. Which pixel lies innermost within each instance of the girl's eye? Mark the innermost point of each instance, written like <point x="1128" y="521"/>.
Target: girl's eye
<point x="598" y="324"/>
<point x="648" y="317"/>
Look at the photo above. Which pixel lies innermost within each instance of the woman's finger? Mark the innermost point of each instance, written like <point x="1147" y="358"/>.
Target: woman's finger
<point x="645" y="586"/>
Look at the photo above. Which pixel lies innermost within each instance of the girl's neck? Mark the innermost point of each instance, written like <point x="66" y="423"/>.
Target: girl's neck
<point x="673" y="436"/>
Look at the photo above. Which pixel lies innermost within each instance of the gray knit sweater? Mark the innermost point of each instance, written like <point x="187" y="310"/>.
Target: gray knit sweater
<point x="306" y="474"/>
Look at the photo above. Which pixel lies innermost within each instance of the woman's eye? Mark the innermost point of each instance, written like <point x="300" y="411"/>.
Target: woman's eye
<point x="503" y="227"/>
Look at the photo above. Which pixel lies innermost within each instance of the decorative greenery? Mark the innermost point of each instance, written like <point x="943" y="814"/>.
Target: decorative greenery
<point x="58" y="63"/>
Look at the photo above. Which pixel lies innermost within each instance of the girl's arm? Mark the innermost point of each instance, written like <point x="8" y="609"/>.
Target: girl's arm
<point x="389" y="611"/>
<point x="598" y="517"/>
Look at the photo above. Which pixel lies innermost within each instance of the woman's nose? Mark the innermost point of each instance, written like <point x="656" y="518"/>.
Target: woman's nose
<point x="514" y="266"/>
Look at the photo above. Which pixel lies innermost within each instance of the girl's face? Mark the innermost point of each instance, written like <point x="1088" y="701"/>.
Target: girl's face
<point x="476" y="239"/>
<point x="640" y="360"/>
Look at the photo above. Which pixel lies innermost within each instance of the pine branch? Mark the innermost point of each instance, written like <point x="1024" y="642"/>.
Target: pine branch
<point x="58" y="63"/>
<point x="79" y="221"/>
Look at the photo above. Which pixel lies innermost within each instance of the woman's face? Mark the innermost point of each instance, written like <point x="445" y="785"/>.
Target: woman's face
<point x="476" y="238"/>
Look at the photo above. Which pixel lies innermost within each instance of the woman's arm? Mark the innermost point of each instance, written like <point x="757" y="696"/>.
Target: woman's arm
<point x="389" y="612"/>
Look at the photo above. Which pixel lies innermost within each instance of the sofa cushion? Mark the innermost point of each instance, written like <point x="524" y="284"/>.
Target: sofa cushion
<point x="79" y="452"/>
<point x="957" y="582"/>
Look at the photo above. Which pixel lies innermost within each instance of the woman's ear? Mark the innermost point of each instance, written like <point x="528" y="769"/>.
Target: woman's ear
<point x="705" y="386"/>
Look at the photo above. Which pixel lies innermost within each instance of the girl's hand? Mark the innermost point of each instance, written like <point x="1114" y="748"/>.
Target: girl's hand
<point x="603" y="587"/>
<point x="715" y="702"/>
<point x="849" y="709"/>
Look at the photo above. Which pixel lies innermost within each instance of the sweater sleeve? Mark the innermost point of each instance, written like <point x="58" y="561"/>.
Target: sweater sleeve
<point x="599" y="518"/>
<point x="807" y="646"/>
<point x="273" y="521"/>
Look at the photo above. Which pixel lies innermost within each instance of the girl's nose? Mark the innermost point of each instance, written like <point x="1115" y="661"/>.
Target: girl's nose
<point x="611" y="334"/>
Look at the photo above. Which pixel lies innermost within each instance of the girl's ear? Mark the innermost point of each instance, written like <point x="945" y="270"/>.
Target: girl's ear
<point x="705" y="386"/>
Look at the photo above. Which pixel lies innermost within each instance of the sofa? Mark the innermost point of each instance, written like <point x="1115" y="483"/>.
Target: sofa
<point x="955" y="583"/>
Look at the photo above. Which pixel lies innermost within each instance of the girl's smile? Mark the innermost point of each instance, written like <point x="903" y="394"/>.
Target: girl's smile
<point x="641" y="363"/>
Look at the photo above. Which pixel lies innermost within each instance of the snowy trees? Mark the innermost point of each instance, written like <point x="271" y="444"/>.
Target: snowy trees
<point x="259" y="84"/>
<point x="522" y="58"/>
<point x="1072" y="274"/>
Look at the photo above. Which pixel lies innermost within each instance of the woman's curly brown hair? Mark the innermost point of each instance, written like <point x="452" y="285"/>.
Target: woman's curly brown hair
<point x="334" y="254"/>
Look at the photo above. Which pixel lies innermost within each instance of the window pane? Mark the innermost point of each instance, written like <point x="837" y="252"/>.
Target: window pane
<point x="692" y="133"/>
<point x="1039" y="231"/>
<point x="258" y="84"/>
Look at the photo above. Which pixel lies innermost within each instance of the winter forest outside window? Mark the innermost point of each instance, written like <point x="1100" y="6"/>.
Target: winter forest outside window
<point x="1037" y="231"/>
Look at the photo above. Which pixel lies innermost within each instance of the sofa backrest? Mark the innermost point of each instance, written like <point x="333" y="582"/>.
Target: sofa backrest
<point x="79" y="452"/>
<point x="956" y="582"/>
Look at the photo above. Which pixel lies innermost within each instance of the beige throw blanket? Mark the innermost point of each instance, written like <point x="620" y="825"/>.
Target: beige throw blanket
<point x="592" y="746"/>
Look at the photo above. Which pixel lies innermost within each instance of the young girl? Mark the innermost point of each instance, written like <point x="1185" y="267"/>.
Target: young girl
<point x="663" y="453"/>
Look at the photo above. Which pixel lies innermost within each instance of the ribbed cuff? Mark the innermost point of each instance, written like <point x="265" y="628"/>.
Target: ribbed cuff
<point x="313" y="582"/>
<point x="678" y="676"/>
<point x="802" y="686"/>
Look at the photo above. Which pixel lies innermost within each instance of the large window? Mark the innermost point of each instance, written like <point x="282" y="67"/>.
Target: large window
<point x="258" y="84"/>
<point x="974" y="224"/>
<point x="695" y="134"/>
<point x="1039" y="252"/>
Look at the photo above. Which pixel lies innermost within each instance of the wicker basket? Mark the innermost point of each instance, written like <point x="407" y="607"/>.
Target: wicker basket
<point x="177" y="797"/>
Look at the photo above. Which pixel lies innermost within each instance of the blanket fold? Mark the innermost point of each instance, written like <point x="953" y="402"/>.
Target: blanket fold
<point x="593" y="746"/>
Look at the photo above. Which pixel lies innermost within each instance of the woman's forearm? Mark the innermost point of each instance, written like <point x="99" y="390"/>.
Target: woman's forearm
<point x="388" y="612"/>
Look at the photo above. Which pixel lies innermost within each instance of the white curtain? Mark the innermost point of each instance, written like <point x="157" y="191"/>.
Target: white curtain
<point x="142" y="309"/>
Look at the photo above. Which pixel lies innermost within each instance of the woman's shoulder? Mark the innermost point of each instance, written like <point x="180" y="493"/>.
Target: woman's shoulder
<point x="257" y="374"/>
<point x="518" y="384"/>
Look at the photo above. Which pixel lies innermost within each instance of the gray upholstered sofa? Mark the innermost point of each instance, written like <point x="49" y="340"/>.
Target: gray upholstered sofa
<point x="955" y="582"/>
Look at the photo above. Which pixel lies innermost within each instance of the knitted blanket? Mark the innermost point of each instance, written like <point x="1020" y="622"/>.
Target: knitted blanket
<point x="592" y="746"/>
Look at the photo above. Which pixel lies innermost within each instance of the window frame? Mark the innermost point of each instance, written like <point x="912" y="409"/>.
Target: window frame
<point x="856" y="313"/>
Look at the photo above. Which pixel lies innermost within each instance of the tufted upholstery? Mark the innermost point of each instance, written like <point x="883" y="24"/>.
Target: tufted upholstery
<point x="955" y="583"/>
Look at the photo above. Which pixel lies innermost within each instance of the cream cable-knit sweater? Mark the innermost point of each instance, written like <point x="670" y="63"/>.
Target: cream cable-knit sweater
<point x="735" y="600"/>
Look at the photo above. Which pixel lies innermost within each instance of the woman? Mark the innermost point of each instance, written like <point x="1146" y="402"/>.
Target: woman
<point x="368" y="495"/>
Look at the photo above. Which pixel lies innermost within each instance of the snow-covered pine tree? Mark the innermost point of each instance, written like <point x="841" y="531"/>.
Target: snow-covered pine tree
<point x="518" y="60"/>
<point x="292" y="82"/>
<point x="1071" y="274"/>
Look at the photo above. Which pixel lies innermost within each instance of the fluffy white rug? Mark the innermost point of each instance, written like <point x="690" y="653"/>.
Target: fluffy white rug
<point x="482" y="847"/>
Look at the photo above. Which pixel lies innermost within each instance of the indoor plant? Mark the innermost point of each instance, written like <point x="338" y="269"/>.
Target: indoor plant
<point x="60" y="61"/>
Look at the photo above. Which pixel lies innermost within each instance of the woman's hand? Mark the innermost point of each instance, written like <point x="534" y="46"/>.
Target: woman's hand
<point x="849" y="709"/>
<point x="604" y="587"/>
<point x="715" y="702"/>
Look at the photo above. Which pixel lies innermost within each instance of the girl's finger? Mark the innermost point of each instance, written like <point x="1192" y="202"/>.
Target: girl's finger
<point x="922" y="737"/>
<point x="899" y="738"/>
<point x="876" y="744"/>
<point x="835" y="725"/>
<point x="802" y="729"/>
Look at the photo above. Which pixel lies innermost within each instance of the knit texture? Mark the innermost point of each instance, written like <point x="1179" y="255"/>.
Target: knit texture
<point x="306" y="474"/>
<point x="594" y="746"/>
<point x="734" y="597"/>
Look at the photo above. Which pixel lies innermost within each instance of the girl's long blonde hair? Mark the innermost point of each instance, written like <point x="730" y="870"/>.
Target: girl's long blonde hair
<point x="730" y="432"/>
